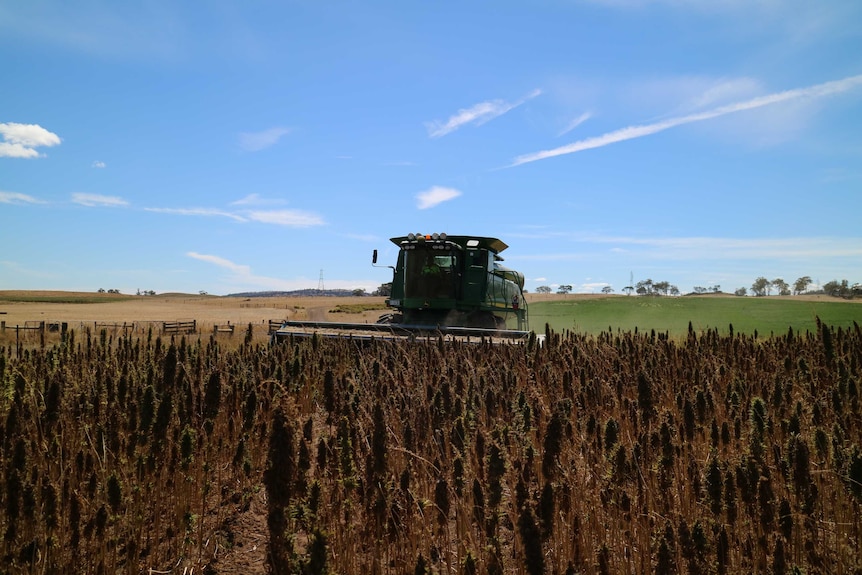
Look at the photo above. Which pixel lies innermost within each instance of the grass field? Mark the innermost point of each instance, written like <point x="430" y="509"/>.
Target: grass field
<point x="672" y="314"/>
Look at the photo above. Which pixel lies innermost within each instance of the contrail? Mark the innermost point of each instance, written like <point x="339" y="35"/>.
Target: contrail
<point x="632" y="132"/>
<point x="478" y="114"/>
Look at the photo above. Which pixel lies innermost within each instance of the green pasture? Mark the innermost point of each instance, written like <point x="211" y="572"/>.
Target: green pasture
<point x="672" y="315"/>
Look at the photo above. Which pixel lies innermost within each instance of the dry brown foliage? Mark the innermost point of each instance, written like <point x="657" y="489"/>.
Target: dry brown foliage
<point x="621" y="453"/>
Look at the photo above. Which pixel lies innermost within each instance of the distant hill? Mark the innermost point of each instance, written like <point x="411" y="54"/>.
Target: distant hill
<point x="297" y="293"/>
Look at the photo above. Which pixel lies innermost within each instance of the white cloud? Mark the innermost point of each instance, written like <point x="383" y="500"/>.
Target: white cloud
<point x="18" y="198"/>
<point x="576" y="122"/>
<point x="21" y="140"/>
<point x="221" y="262"/>
<point x="291" y="218"/>
<point x="207" y="212"/>
<point x="631" y="132"/>
<point x="99" y="164"/>
<point x="256" y="141"/>
<point x="434" y="196"/>
<point x="255" y="200"/>
<point x="477" y="114"/>
<point x="95" y="200"/>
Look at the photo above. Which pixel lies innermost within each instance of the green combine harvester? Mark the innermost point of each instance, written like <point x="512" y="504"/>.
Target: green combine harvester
<point x="449" y="285"/>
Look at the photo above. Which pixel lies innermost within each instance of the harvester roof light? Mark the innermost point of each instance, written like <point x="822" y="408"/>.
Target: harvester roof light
<point x="411" y="237"/>
<point x="443" y="236"/>
<point x="435" y="236"/>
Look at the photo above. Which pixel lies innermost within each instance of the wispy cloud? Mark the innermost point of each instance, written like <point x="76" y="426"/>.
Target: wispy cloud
<point x="99" y="164"/>
<point x="434" y="196"/>
<point x="256" y="141"/>
<point x="576" y="122"/>
<point x="242" y="278"/>
<point x="477" y="114"/>
<point x="97" y="200"/>
<point x="632" y="132"/>
<point x="290" y="218"/>
<point x="221" y="262"/>
<point x="256" y="200"/>
<point x="18" y="198"/>
<point x="21" y="140"/>
<point x="205" y="212"/>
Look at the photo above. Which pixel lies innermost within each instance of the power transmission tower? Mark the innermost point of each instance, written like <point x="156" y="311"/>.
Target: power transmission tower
<point x="320" y="282"/>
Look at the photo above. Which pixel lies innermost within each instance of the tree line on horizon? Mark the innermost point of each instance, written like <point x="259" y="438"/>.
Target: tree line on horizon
<point x="761" y="287"/>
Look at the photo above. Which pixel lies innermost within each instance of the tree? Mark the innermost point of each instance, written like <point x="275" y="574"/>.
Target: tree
<point x="741" y="291"/>
<point x="543" y="289"/>
<point x="628" y="290"/>
<point x="645" y="287"/>
<point x="649" y="287"/>
<point x="837" y="289"/>
<point x="607" y="290"/>
<point x="358" y="292"/>
<point x="384" y="289"/>
<point x="564" y="289"/>
<point x="801" y="285"/>
<point x="760" y="287"/>
<point x="781" y="286"/>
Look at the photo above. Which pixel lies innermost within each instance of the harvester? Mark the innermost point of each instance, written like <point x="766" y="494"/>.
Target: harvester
<point x="449" y="285"/>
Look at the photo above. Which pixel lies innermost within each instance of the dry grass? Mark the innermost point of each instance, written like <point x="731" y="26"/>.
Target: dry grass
<point x="139" y="314"/>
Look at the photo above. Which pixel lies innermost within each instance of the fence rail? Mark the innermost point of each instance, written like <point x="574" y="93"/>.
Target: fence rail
<point x="225" y="328"/>
<point x="179" y="326"/>
<point x="41" y="328"/>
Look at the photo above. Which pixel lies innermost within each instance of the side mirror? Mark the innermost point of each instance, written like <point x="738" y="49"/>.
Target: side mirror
<point x="374" y="257"/>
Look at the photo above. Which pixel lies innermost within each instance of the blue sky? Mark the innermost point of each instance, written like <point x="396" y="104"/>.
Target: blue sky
<point x="247" y="146"/>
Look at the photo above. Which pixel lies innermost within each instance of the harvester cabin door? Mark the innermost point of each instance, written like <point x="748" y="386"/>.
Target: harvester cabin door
<point x="475" y="277"/>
